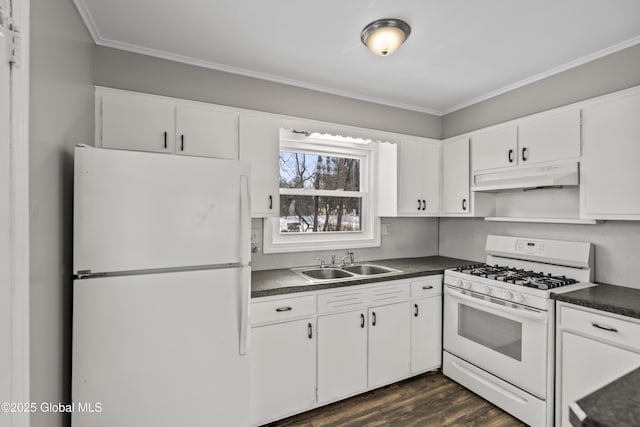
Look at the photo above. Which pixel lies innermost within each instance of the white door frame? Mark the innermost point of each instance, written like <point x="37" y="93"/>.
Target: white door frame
<point x="19" y="207"/>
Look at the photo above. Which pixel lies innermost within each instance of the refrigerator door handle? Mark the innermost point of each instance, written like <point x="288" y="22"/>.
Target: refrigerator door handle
<point x="245" y="257"/>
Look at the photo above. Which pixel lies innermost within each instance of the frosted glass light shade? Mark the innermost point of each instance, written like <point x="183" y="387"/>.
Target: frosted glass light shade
<point x="385" y="36"/>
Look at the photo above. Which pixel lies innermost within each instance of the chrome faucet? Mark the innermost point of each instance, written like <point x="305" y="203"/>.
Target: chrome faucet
<point x="333" y="259"/>
<point x="351" y="257"/>
<point x="323" y="264"/>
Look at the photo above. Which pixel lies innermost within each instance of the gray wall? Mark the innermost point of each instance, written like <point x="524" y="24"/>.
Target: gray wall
<point x="61" y="115"/>
<point x="616" y="241"/>
<point x="142" y="73"/>
<point x="614" y="72"/>
<point x="409" y="237"/>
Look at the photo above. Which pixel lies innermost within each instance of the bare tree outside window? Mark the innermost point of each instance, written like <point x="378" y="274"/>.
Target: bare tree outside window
<point x="314" y="194"/>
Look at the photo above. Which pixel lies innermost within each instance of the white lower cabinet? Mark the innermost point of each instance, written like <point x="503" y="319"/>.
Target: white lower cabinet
<point x="593" y="349"/>
<point x="283" y="369"/>
<point x="367" y="336"/>
<point x="389" y="343"/>
<point x="426" y="334"/>
<point x="342" y="355"/>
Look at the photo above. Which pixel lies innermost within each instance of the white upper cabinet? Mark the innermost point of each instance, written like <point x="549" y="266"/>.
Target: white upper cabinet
<point x="142" y="122"/>
<point x="130" y="123"/>
<point x="206" y="132"/>
<point x="419" y="177"/>
<point x="543" y="139"/>
<point x="455" y="176"/>
<point x="260" y="146"/>
<point x="610" y="173"/>
<point x="495" y="149"/>
<point x="549" y="138"/>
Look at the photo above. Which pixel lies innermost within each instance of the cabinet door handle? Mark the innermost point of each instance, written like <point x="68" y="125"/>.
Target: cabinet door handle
<point x="165" y="140"/>
<point x="362" y="320"/>
<point x="373" y="317"/>
<point x="416" y="312"/>
<point x="181" y="142"/>
<point x="511" y="156"/>
<point x="426" y="288"/>
<point x="464" y="204"/>
<point x="419" y="204"/>
<point x="604" y="328"/>
<point x="309" y="330"/>
<point x="270" y="202"/>
<point x="424" y="204"/>
<point x="524" y="154"/>
<point x="281" y="309"/>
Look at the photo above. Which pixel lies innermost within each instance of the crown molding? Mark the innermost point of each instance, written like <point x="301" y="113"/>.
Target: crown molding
<point x="556" y="70"/>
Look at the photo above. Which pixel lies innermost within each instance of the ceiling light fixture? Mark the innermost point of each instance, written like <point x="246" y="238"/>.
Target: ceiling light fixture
<point x="384" y="36"/>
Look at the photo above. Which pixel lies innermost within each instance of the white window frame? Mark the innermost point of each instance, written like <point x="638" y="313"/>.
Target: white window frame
<point x="368" y="236"/>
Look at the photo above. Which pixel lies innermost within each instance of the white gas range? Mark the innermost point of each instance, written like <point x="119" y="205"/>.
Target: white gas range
<point x="499" y="321"/>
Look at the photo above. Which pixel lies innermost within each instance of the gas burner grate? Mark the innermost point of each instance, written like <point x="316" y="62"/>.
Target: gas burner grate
<point x="517" y="276"/>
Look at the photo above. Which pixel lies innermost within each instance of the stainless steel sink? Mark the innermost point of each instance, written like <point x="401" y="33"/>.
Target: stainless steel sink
<point x="343" y="273"/>
<point x="367" y="269"/>
<point x="326" y="273"/>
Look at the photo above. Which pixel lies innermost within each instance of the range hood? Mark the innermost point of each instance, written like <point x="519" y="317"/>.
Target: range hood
<point x="561" y="175"/>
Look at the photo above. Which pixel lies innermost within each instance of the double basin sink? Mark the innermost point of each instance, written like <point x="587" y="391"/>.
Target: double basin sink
<point x="346" y="272"/>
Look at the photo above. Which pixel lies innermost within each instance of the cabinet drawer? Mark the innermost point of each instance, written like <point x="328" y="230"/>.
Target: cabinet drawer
<point x="625" y="333"/>
<point x="427" y="287"/>
<point x="389" y="294"/>
<point x="347" y="299"/>
<point x="282" y="309"/>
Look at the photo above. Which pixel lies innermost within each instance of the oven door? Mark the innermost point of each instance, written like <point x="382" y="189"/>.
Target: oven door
<point x="506" y="339"/>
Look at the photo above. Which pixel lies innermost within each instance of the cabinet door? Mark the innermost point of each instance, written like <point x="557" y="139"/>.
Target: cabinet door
<point x="283" y="370"/>
<point x="130" y="123"/>
<point x="426" y="334"/>
<point x="549" y="138"/>
<point x="342" y="355"/>
<point x="410" y="177"/>
<point x="587" y="365"/>
<point x="455" y="181"/>
<point x="610" y="172"/>
<point x="206" y="132"/>
<point x="389" y="343"/>
<point x="495" y="149"/>
<point x="431" y="178"/>
<point x="260" y="146"/>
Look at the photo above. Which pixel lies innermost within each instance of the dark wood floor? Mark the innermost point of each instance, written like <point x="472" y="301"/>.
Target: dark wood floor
<point x="430" y="399"/>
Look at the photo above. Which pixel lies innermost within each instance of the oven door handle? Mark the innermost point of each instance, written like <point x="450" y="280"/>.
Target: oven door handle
<point x="539" y="316"/>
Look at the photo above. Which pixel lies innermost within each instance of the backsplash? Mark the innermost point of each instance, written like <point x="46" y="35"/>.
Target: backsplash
<point x="409" y="237"/>
<point x="616" y="243"/>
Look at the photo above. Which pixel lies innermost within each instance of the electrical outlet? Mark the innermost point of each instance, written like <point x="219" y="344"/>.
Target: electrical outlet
<point x="255" y="235"/>
<point x="386" y="229"/>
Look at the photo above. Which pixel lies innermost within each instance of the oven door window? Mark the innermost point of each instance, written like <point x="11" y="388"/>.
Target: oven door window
<point x="489" y="330"/>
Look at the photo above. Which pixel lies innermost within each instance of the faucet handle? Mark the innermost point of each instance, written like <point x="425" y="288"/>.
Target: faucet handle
<point x="333" y="259"/>
<point x="352" y="257"/>
<point x="322" y="262"/>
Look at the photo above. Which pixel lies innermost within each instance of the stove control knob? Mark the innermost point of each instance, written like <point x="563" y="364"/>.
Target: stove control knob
<point x="458" y="283"/>
<point x="466" y="285"/>
<point x="518" y="298"/>
<point x="507" y="295"/>
<point x="487" y="290"/>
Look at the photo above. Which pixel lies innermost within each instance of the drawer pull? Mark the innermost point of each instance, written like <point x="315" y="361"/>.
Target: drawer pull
<point x="426" y="288"/>
<point x="281" y="309"/>
<point x="604" y="328"/>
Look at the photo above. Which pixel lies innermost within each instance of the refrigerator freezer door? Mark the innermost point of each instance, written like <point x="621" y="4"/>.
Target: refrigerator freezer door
<point x="160" y="350"/>
<point x="145" y="211"/>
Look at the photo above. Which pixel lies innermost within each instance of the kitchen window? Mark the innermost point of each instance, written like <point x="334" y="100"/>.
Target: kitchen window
<point x="325" y="194"/>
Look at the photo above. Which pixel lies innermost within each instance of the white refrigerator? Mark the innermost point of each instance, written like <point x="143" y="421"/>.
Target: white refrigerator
<point x="162" y="290"/>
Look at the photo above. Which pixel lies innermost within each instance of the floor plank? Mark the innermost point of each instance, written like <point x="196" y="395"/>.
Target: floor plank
<point x="430" y="399"/>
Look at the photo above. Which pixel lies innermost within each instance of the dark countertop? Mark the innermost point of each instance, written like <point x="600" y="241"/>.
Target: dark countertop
<point x="616" y="404"/>
<point x="613" y="299"/>
<point x="283" y="281"/>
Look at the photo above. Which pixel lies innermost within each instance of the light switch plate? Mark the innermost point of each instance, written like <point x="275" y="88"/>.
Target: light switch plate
<point x="255" y="235"/>
<point x="386" y="229"/>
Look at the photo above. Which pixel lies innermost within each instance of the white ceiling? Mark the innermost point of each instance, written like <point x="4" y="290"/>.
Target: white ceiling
<point x="459" y="51"/>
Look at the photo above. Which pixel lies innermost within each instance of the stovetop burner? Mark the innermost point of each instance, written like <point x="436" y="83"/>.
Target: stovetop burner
<point x="516" y="276"/>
